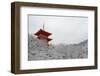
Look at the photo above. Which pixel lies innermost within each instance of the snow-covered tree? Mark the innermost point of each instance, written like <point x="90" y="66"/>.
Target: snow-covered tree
<point x="38" y="50"/>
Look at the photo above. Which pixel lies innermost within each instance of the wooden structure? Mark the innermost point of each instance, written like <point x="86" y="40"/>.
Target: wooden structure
<point x="43" y="35"/>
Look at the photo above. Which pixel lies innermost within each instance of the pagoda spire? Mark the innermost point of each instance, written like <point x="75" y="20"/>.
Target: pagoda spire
<point x="43" y="26"/>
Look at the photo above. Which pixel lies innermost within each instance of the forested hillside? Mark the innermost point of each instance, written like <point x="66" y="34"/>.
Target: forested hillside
<point x="37" y="50"/>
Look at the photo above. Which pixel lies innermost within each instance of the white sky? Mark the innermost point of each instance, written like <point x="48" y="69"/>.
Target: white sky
<point x="68" y="30"/>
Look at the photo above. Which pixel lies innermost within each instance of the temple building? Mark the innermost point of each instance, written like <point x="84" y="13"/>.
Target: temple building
<point x="43" y="35"/>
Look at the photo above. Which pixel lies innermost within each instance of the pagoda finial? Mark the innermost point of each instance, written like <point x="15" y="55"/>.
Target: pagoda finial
<point x="43" y="26"/>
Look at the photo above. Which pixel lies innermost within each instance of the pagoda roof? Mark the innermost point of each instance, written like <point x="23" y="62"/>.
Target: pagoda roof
<point x="42" y="32"/>
<point x="48" y="39"/>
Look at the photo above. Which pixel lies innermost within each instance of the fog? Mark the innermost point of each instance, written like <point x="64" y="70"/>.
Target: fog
<point x="67" y="30"/>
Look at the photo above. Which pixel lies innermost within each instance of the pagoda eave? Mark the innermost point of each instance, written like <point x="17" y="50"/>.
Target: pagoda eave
<point x="48" y="39"/>
<point x="42" y="32"/>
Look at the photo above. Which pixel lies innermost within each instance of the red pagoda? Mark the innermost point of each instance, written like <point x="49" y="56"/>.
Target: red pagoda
<point x="43" y="35"/>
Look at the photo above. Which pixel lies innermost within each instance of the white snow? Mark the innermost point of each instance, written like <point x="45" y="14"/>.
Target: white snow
<point x="38" y="50"/>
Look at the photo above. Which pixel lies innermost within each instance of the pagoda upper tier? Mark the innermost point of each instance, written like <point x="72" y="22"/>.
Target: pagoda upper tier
<point x="45" y="33"/>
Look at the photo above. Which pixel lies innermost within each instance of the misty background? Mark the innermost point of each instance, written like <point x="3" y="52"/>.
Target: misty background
<point x="64" y="29"/>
